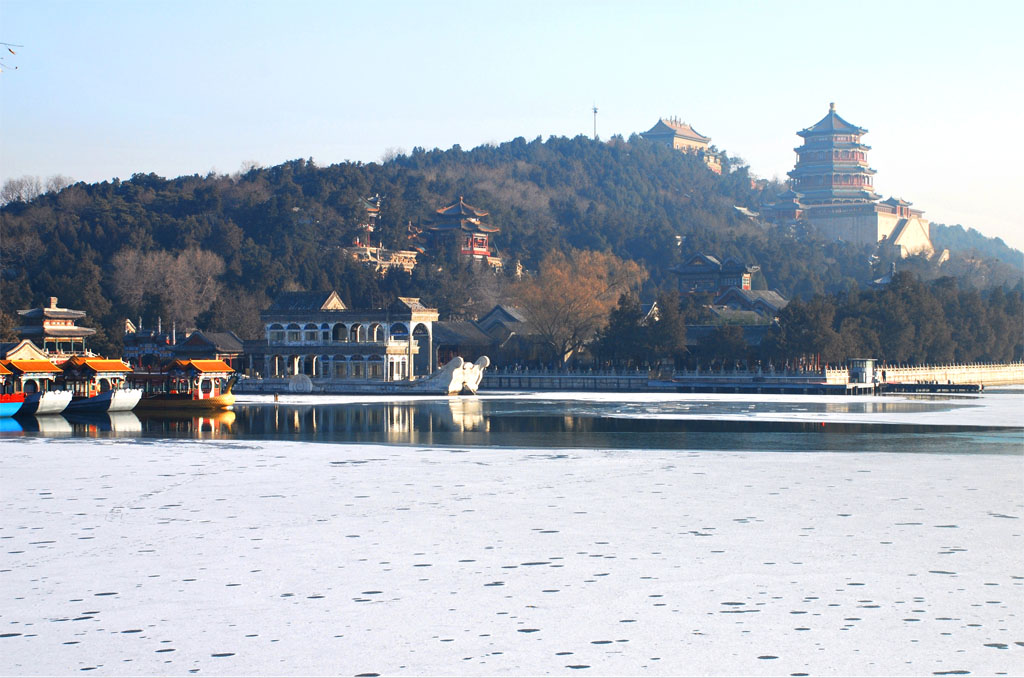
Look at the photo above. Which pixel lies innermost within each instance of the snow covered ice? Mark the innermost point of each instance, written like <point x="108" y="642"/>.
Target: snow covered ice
<point x="161" y="557"/>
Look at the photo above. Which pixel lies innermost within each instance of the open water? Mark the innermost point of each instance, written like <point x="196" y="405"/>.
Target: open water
<point x="613" y="421"/>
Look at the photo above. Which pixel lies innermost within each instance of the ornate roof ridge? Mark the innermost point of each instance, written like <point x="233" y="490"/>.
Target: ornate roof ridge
<point x="832" y="122"/>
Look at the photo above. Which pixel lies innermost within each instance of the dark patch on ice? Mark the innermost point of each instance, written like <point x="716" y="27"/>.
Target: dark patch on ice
<point x="223" y="654"/>
<point x="998" y="646"/>
<point x="527" y="630"/>
<point x="767" y="656"/>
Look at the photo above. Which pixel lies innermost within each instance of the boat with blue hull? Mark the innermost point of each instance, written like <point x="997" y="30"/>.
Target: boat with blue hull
<point x="10" y="403"/>
<point x="114" y="400"/>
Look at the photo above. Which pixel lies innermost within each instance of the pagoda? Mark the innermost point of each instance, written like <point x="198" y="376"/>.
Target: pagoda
<point x="832" y="188"/>
<point x="832" y="164"/>
<point x="466" y="223"/>
<point x="378" y="257"/>
<point x="681" y="136"/>
<point x="54" y="330"/>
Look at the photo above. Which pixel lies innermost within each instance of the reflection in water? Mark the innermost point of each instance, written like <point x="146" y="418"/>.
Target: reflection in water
<point x="553" y="423"/>
<point x="188" y="424"/>
<point x="52" y="425"/>
<point x="94" y="424"/>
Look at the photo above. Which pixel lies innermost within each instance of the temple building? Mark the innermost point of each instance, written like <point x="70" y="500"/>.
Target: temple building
<point x="832" y="187"/>
<point x="465" y="223"/>
<point x="679" y="135"/>
<point x="704" y="274"/>
<point x="316" y="334"/>
<point x="53" y="329"/>
<point x="378" y="257"/>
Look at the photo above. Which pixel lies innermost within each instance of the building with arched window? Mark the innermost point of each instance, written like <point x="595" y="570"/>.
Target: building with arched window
<point x="317" y="335"/>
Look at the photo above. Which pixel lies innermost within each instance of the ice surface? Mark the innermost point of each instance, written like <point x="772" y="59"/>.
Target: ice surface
<point x="281" y="558"/>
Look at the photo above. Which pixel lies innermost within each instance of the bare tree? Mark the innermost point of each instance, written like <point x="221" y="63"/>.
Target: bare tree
<point x="21" y="189"/>
<point x="185" y="285"/>
<point x="57" y="183"/>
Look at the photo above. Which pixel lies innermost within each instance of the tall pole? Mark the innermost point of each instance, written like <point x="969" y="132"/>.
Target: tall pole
<point x="595" y="122"/>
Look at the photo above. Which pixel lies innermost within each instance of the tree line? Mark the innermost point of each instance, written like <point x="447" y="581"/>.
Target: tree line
<point x="212" y="251"/>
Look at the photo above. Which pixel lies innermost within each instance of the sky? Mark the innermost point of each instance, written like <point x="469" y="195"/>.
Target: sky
<point x="106" y="88"/>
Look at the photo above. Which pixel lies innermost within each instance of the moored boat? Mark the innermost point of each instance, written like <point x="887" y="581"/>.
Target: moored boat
<point x="98" y="385"/>
<point x="35" y="378"/>
<point x="189" y="385"/>
<point x="47" y="402"/>
<point x="114" y="400"/>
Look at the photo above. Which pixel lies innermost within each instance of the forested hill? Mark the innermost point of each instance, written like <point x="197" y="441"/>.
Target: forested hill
<point x="212" y="251"/>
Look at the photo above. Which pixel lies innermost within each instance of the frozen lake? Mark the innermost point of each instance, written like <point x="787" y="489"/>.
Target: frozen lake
<point x="268" y="554"/>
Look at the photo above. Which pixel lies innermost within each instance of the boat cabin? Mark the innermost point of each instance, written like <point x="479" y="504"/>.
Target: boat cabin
<point x="10" y="400"/>
<point x="6" y="382"/>
<point x="202" y="379"/>
<point x="88" y="377"/>
<point x="32" y="376"/>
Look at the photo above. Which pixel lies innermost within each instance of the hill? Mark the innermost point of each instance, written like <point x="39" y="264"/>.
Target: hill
<point x="213" y="250"/>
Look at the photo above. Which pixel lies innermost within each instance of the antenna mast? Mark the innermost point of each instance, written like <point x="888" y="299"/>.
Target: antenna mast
<point x="595" y="122"/>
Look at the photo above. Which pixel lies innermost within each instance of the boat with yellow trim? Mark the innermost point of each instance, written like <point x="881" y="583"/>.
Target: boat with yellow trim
<point x="188" y="385"/>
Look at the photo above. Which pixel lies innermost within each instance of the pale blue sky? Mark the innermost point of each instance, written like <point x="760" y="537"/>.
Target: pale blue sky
<point x="107" y="88"/>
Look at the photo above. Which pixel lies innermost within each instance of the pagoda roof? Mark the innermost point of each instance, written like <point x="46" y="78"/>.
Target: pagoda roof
<point x="677" y="128"/>
<point x="829" y="168"/>
<point x="69" y="332"/>
<point x="51" y="311"/>
<point x="4" y="372"/>
<point x="896" y="202"/>
<point x="462" y="216"/>
<point x="461" y="210"/>
<point x="372" y="205"/>
<point x="831" y="124"/>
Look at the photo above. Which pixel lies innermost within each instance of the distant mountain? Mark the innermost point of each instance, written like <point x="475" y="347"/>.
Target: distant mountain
<point x="970" y="241"/>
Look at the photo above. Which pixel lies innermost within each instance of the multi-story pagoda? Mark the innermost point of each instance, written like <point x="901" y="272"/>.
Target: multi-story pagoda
<point x="833" y="190"/>
<point x="465" y="222"/>
<point x="832" y="165"/>
<point x="53" y="329"/>
<point x="681" y="136"/>
<point x="377" y="256"/>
